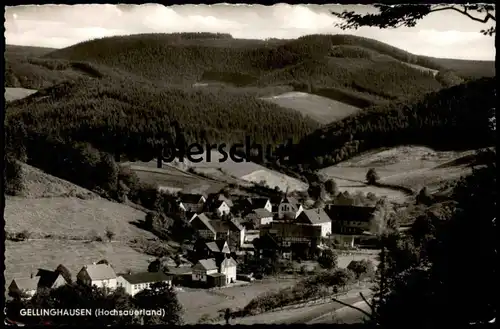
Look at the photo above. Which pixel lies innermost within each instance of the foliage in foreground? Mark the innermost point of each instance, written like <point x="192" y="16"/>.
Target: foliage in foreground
<point x="427" y="277"/>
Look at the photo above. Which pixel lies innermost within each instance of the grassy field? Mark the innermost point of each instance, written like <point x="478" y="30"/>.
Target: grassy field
<point x="321" y="109"/>
<point x="197" y="302"/>
<point x="22" y="258"/>
<point x="174" y="176"/>
<point x="11" y="94"/>
<point x="39" y="184"/>
<point x="409" y="166"/>
<point x="72" y="217"/>
<point x="245" y="171"/>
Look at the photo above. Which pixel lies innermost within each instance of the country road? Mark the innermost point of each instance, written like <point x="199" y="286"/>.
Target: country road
<point x="306" y="315"/>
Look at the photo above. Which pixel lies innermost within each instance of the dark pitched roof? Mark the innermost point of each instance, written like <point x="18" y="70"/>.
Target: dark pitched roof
<point x="350" y="213"/>
<point x="27" y="283"/>
<point x="212" y="246"/>
<point x="146" y="277"/>
<point x="220" y="197"/>
<point x="47" y="277"/>
<point x="262" y="213"/>
<point x="223" y="246"/>
<point x="190" y="198"/>
<point x="202" y="222"/>
<point x="314" y="216"/>
<point x="221" y="226"/>
<point x="259" y="202"/>
<point x="288" y="230"/>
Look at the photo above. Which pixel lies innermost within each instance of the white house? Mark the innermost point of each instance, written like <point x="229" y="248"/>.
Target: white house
<point x="228" y="268"/>
<point x="259" y="217"/>
<point x="221" y="208"/>
<point x="25" y="287"/>
<point x="100" y="275"/>
<point x="203" y="268"/>
<point x="289" y="205"/>
<point x="134" y="283"/>
<point x="316" y="217"/>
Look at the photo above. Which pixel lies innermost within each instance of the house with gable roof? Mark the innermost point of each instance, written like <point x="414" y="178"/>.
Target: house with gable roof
<point x="137" y="282"/>
<point x="260" y="203"/>
<point x="316" y="217"/>
<point x="50" y="279"/>
<point x="100" y="275"/>
<point x="192" y="203"/>
<point x="201" y="223"/>
<point x="258" y="217"/>
<point x="24" y="287"/>
<point x="203" y="268"/>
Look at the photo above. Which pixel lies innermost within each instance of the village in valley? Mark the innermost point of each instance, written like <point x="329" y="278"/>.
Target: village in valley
<point x="235" y="241"/>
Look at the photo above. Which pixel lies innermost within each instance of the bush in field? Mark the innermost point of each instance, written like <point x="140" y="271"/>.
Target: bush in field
<point x="328" y="259"/>
<point x="362" y="268"/>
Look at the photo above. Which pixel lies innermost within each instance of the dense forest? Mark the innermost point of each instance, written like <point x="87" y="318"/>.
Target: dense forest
<point x="362" y="71"/>
<point x="121" y="97"/>
<point x="453" y="118"/>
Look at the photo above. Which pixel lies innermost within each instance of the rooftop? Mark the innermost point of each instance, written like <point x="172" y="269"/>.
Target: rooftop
<point x="146" y="277"/>
<point x="100" y="271"/>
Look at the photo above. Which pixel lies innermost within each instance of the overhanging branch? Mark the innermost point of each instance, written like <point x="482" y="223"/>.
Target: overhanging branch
<point x="464" y="12"/>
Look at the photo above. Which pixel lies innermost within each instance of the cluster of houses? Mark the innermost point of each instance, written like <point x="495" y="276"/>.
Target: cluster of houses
<point x="261" y="226"/>
<point x="100" y="275"/>
<point x="226" y="228"/>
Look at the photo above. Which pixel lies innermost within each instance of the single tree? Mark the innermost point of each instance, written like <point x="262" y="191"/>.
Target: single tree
<point x="328" y="259"/>
<point x="372" y="176"/>
<point x="393" y="16"/>
<point x="331" y="187"/>
<point x="227" y="315"/>
<point x="109" y="234"/>
<point x="65" y="273"/>
<point x="154" y="266"/>
<point x="103" y="261"/>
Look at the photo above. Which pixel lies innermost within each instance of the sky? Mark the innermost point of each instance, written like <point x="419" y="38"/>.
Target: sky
<point x="444" y="34"/>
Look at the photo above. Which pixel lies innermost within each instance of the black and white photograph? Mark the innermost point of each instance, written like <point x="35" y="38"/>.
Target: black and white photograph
<point x="244" y="164"/>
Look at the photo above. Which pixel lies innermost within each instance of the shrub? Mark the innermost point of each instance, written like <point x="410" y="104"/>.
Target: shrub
<point x="362" y="269"/>
<point x="109" y="234"/>
<point x="23" y="235"/>
<point x="328" y="259"/>
<point x="372" y="176"/>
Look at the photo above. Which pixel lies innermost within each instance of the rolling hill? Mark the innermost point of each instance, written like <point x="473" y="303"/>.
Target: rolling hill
<point x="455" y="118"/>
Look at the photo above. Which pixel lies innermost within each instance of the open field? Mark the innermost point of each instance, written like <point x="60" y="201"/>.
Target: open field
<point x="197" y="302"/>
<point x="11" y="94"/>
<point x="245" y="171"/>
<point x="39" y="184"/>
<point x="407" y="166"/>
<point x="22" y="258"/>
<point x="72" y="217"/>
<point x="322" y="109"/>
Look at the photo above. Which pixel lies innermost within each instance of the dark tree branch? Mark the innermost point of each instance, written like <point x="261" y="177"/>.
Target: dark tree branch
<point x="408" y="15"/>
<point x="354" y="307"/>
<point x="464" y="12"/>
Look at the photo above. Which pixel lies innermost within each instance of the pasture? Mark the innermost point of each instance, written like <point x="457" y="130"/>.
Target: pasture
<point x="72" y="217"/>
<point x="408" y="166"/>
<point x="39" y="184"/>
<point x="23" y="258"/>
<point x="322" y="109"/>
<point x="198" y="302"/>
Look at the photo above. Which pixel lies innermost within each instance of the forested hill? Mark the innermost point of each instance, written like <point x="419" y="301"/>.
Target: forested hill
<point x="351" y="69"/>
<point x="451" y="119"/>
<point x="123" y="117"/>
